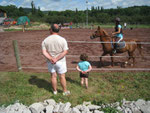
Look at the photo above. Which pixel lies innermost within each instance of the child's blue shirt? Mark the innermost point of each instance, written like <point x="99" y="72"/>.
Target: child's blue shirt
<point x="84" y="65"/>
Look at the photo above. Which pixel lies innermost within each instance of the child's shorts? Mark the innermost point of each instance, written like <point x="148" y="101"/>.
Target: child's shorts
<point x="84" y="75"/>
<point x="60" y="67"/>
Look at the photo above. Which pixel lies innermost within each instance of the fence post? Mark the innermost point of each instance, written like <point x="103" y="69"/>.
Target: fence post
<point x="16" y="50"/>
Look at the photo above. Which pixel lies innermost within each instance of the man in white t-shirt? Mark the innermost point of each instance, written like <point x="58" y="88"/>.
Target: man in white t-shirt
<point x="54" y="48"/>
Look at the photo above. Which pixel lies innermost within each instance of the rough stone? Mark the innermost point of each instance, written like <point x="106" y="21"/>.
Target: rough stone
<point x="116" y="104"/>
<point x="49" y="109"/>
<point x="50" y="102"/>
<point x="50" y="106"/>
<point x="16" y="108"/>
<point x="69" y="110"/>
<point x="128" y="110"/>
<point x="86" y="103"/>
<point x="119" y="108"/>
<point x="66" y="107"/>
<point x="140" y="102"/>
<point x="93" y="107"/>
<point x="61" y="106"/>
<point x="84" y="109"/>
<point x="36" y="107"/>
<point x="96" y="111"/>
<point x="145" y="109"/>
<point x="75" y="110"/>
<point x="79" y="107"/>
<point x="56" y="108"/>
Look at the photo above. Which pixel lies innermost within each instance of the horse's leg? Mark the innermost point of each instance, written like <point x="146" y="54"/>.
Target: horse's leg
<point x="112" y="59"/>
<point x="131" y="55"/>
<point x="101" y="63"/>
<point x="133" y="58"/>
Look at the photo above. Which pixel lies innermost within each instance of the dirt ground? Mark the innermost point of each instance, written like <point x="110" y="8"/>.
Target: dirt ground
<point x="32" y="59"/>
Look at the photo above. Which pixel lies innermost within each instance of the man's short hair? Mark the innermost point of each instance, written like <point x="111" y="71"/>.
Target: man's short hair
<point x="55" y="28"/>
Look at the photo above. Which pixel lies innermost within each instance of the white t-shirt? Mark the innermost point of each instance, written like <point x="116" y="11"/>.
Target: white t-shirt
<point x="55" y="44"/>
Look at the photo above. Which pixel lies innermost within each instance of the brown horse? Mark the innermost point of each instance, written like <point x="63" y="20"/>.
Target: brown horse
<point x="106" y="40"/>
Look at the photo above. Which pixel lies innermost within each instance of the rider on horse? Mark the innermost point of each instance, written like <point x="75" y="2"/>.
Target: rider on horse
<point x="118" y="34"/>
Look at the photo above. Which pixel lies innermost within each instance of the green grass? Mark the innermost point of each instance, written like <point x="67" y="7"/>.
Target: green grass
<point x="103" y="87"/>
<point x="12" y="30"/>
<point x="139" y="26"/>
<point x="128" y="26"/>
<point x="111" y="25"/>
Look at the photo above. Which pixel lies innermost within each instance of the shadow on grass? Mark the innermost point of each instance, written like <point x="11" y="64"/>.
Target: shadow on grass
<point x="73" y="81"/>
<point x="40" y="83"/>
<point x="105" y="64"/>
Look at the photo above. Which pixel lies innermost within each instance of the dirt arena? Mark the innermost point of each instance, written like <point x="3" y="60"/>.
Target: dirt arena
<point x="32" y="59"/>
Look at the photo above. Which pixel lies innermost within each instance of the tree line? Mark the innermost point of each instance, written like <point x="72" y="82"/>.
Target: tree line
<point x="133" y="15"/>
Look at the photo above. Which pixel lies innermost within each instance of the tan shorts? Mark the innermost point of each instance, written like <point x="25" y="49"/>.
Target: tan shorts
<point x="60" y="67"/>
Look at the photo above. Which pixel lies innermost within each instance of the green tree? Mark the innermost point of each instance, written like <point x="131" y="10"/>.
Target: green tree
<point x="40" y="13"/>
<point x="33" y="8"/>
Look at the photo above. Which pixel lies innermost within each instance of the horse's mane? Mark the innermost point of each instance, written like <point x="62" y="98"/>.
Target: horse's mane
<point x="105" y="33"/>
<point x="107" y="36"/>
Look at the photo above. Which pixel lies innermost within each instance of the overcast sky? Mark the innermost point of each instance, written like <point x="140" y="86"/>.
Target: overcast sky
<point x="61" y="5"/>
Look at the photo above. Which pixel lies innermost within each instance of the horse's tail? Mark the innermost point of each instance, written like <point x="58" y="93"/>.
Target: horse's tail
<point x="139" y="47"/>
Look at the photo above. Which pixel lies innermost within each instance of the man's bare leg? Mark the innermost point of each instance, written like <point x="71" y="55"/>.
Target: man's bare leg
<point x="54" y="81"/>
<point x="63" y="82"/>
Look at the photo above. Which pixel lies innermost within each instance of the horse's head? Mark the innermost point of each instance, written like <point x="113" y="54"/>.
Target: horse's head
<point x="98" y="33"/>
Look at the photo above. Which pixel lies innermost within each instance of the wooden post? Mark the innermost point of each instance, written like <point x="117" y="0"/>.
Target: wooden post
<point x="23" y="28"/>
<point x="16" y="50"/>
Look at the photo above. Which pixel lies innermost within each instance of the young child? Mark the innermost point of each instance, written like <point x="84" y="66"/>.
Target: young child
<point x="84" y="67"/>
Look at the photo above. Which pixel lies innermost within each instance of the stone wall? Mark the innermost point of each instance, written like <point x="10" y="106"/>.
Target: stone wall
<point x="50" y="106"/>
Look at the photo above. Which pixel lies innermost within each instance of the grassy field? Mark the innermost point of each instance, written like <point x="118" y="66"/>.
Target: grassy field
<point x="45" y="26"/>
<point x="111" y="25"/>
<point x="103" y="87"/>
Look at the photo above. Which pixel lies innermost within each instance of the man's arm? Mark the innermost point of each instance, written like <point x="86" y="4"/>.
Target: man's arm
<point x="47" y="55"/>
<point x="60" y="56"/>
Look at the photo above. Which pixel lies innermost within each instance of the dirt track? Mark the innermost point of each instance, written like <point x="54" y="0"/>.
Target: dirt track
<point x="31" y="57"/>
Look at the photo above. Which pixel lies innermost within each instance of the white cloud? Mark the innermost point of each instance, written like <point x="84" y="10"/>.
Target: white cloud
<point x="3" y="3"/>
<point x="59" y="5"/>
<point x="116" y="1"/>
<point x="128" y="3"/>
<point x="62" y="5"/>
<point x="26" y="2"/>
<point x="43" y="9"/>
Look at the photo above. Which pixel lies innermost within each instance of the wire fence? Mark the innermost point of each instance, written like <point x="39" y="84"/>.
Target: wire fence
<point x="96" y="42"/>
<point x="86" y="42"/>
<point x="98" y="69"/>
<point x="74" y="56"/>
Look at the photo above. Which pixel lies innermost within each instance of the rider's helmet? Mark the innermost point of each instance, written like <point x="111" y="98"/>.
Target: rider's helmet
<point x="117" y="19"/>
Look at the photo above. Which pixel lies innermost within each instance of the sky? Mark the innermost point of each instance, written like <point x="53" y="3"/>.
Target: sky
<point x="62" y="5"/>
